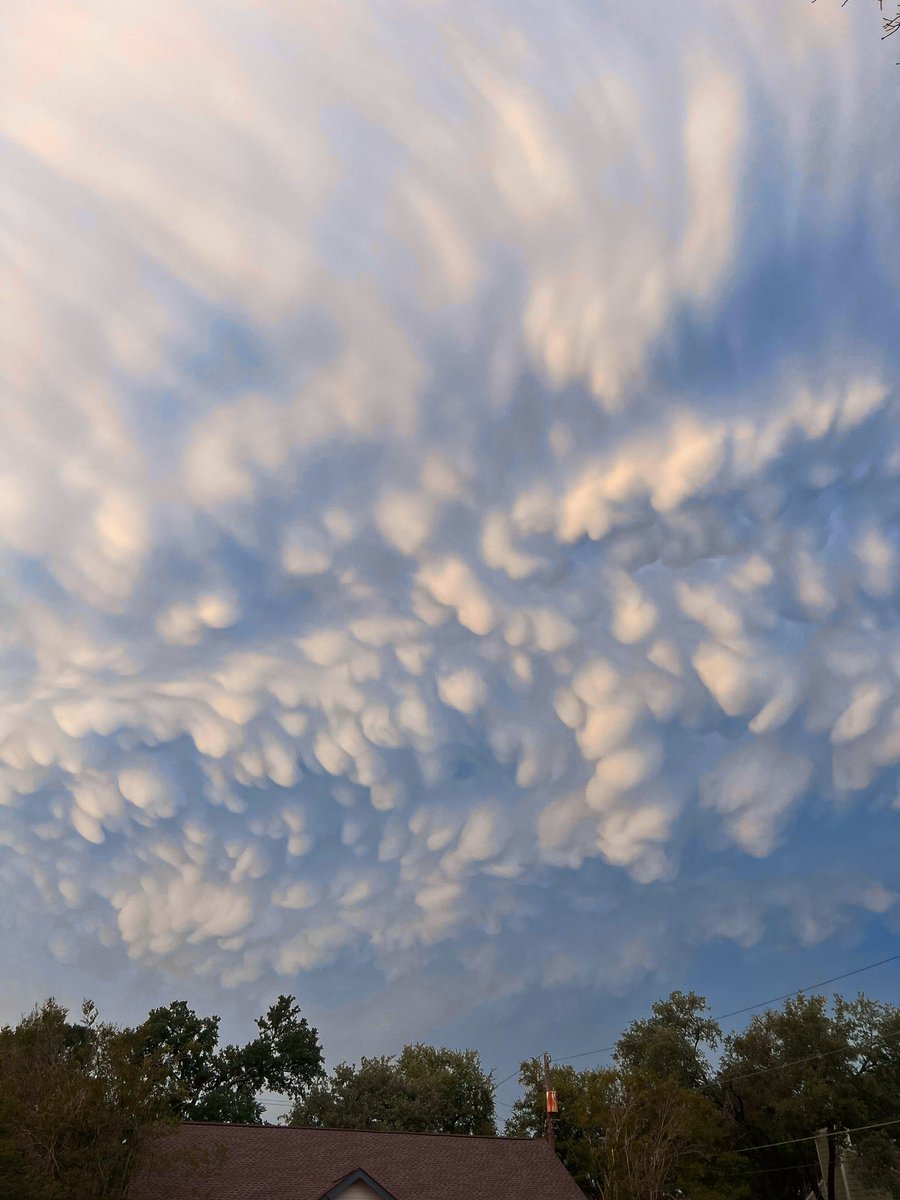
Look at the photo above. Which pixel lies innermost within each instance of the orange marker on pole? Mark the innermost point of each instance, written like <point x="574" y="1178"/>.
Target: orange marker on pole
<point x="552" y="1107"/>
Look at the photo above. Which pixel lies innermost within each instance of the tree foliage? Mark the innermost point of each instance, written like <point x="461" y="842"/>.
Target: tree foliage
<point x="890" y="21"/>
<point x="422" y="1090"/>
<point x="582" y="1097"/>
<point x="202" y="1082"/>
<point x="810" y="1067"/>
<point x="80" y="1101"/>
<point x="630" y="1134"/>
<point x="77" y="1107"/>
<point x="673" y="1043"/>
<point x="667" y="1121"/>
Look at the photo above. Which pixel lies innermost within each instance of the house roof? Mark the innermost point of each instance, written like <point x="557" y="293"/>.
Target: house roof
<point x="264" y="1162"/>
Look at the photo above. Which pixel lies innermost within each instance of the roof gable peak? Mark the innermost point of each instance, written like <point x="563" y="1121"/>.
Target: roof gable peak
<point x="357" y="1176"/>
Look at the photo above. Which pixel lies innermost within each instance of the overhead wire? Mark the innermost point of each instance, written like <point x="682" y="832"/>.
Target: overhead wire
<point x="735" y="1012"/>
<point x="716" y="1017"/>
<point x="793" y="1062"/>
<point x="772" y="1170"/>
<point x="585" y="1053"/>
<point x="814" y="1136"/>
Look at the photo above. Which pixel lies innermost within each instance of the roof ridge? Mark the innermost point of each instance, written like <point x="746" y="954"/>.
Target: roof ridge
<point x="469" y="1137"/>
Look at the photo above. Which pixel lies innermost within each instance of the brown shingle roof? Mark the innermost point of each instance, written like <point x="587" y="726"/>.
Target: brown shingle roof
<point x="252" y="1162"/>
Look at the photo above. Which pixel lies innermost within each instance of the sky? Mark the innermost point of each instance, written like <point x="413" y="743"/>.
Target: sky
<point x="449" y="510"/>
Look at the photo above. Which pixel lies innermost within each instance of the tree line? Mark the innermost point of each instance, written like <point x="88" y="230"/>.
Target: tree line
<point x="687" y="1111"/>
<point x="684" y="1111"/>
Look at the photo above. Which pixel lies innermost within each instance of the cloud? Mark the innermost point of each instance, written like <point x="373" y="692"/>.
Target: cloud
<point x="448" y="464"/>
<point x="754" y="785"/>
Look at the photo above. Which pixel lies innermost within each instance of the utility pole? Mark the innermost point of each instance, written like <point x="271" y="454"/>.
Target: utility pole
<point x="552" y="1107"/>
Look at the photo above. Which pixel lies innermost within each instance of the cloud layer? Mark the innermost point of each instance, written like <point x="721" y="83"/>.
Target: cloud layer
<point x="449" y="483"/>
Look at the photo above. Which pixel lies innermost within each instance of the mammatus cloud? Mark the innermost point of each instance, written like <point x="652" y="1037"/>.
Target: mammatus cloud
<point x="449" y="477"/>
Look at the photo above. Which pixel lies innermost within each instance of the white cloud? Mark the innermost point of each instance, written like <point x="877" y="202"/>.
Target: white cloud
<point x="447" y="479"/>
<point x="464" y="690"/>
<point x="754" y="787"/>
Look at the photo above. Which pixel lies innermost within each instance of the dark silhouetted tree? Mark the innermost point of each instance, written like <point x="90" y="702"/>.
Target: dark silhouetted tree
<point x="203" y="1082"/>
<point x="77" y="1107"/>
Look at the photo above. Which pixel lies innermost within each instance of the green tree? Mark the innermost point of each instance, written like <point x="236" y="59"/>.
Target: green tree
<point x="423" y="1090"/>
<point x="77" y="1107"/>
<point x="286" y="1056"/>
<point x="185" y="1046"/>
<point x="879" y="1163"/>
<point x="203" y="1082"/>
<point x="584" y="1099"/>
<point x="809" y="1067"/>
<point x="673" y="1042"/>
<point x="630" y="1135"/>
<point x="665" y="1140"/>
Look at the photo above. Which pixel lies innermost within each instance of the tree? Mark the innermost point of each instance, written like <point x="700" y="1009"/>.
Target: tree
<point x="185" y="1046"/>
<point x="202" y="1082"/>
<point x="628" y="1134"/>
<point x="665" y="1140"/>
<point x="879" y="1164"/>
<point x="583" y="1098"/>
<point x="805" y="1068"/>
<point x="286" y="1056"/>
<point x="76" y="1107"/>
<point x="672" y="1043"/>
<point x="423" y="1090"/>
<point x="890" y="23"/>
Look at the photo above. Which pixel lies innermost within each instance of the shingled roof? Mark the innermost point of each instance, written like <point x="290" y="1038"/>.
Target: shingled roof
<point x="253" y="1162"/>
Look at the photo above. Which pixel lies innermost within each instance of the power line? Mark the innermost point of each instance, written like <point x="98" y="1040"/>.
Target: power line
<point x="853" y="1051"/>
<point x="793" y="1062"/>
<point x="717" y="1017"/>
<point x="735" y="1012"/>
<point x="585" y="1053"/>
<point x="814" y="1136"/>
<point x="772" y="1170"/>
